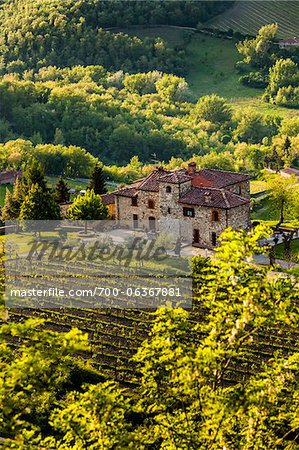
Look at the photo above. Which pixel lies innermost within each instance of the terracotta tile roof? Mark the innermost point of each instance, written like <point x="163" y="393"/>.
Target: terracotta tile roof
<point x="213" y="198"/>
<point x="292" y="40"/>
<point x="199" y="181"/>
<point x="108" y="199"/>
<point x="176" y="177"/>
<point x="137" y="182"/>
<point x="151" y="183"/>
<point x="290" y="171"/>
<point x="127" y="192"/>
<point x="9" y="176"/>
<point x="221" y="179"/>
<point x="210" y="180"/>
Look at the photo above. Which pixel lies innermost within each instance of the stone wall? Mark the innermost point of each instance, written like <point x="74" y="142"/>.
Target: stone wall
<point x="169" y="200"/>
<point x="125" y="209"/>
<point x="202" y="221"/>
<point x="168" y="213"/>
<point x="239" y="218"/>
<point x="242" y="189"/>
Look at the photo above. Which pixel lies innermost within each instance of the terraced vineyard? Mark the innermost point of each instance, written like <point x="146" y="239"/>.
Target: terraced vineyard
<point x="115" y="334"/>
<point x="248" y="16"/>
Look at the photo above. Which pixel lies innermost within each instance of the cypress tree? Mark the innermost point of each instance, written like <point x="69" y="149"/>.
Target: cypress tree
<point x="62" y="193"/>
<point x="97" y="182"/>
<point x="8" y="210"/>
<point x="13" y="201"/>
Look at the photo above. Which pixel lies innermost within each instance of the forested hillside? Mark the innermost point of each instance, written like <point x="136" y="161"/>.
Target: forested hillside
<point x="64" y="33"/>
<point x="67" y="81"/>
<point x="117" y="116"/>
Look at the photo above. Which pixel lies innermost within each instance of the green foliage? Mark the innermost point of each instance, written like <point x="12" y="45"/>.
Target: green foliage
<point x="290" y="127"/>
<point x="95" y="419"/>
<point x="8" y="212"/>
<point x="254" y="79"/>
<point x="221" y="161"/>
<point x="33" y="378"/>
<point x="68" y="33"/>
<point x="278" y="75"/>
<point x="141" y="83"/>
<point x="39" y="205"/>
<point x="71" y="161"/>
<point x="87" y="207"/>
<point x="283" y="83"/>
<point x="185" y="398"/>
<point x="56" y="159"/>
<point x="173" y="88"/>
<point x="115" y="124"/>
<point x="257" y="52"/>
<point x="34" y="174"/>
<point x="97" y="182"/>
<point x="250" y="127"/>
<point x="184" y="366"/>
<point x="62" y="193"/>
<point x="13" y="202"/>
<point x="284" y="196"/>
<point x="213" y="109"/>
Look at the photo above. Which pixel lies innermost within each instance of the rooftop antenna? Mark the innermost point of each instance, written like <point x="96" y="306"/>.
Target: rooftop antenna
<point x="154" y="158"/>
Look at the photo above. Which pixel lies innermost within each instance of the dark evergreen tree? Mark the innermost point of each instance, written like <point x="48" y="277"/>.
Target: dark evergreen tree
<point x="39" y="205"/>
<point x="34" y="174"/>
<point x="97" y="182"/>
<point x="287" y="143"/>
<point x="62" y="193"/>
<point x="13" y="201"/>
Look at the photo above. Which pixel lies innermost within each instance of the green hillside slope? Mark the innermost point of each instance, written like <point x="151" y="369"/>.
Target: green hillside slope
<point x="248" y="16"/>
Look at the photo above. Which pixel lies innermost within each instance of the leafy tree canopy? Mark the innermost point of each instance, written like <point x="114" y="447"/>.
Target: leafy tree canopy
<point x="87" y="207"/>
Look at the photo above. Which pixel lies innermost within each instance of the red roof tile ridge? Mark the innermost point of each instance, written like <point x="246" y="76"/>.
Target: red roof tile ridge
<point x="225" y="171"/>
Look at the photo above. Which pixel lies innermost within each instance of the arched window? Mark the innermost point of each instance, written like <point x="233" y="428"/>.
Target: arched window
<point x="151" y="204"/>
<point x="168" y="189"/>
<point x="215" y="216"/>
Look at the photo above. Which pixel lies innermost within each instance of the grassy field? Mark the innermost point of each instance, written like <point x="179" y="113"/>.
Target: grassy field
<point x="72" y="183"/>
<point x="264" y="210"/>
<point x="257" y="186"/>
<point x="248" y="16"/>
<point x="211" y="63"/>
<point x="279" y="251"/>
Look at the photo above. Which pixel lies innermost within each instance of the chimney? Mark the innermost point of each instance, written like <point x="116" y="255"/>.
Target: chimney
<point x="192" y="168"/>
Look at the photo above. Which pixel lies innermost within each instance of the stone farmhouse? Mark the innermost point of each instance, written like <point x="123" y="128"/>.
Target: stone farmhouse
<point x="10" y="176"/>
<point x="289" y="43"/>
<point x="206" y="202"/>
